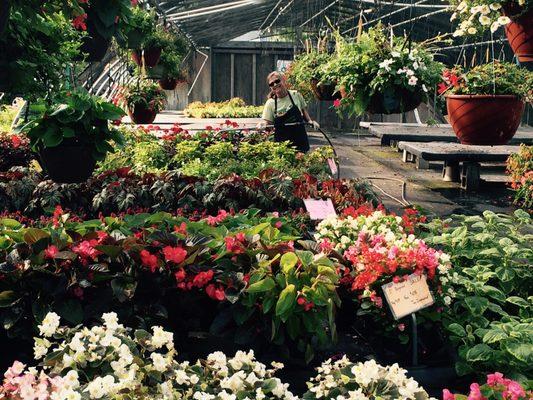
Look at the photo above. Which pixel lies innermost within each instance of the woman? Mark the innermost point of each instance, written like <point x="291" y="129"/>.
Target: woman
<point x="287" y="111"/>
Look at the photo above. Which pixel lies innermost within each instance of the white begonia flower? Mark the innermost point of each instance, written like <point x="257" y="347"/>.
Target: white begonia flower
<point x="67" y="360"/>
<point x="458" y="32"/>
<point x="386" y="64"/>
<point x="161" y="338"/>
<point x="447" y="300"/>
<point x="395" y="54"/>
<point x="259" y="395"/>
<point x="159" y="362"/>
<point x="280" y="389"/>
<point x="49" y="325"/>
<point x="251" y="379"/>
<point x="194" y="379"/>
<point x="40" y="348"/>
<point x="181" y="377"/>
<point x="504" y="20"/>
<point x="409" y="390"/>
<point x="111" y="321"/>
<point x="472" y="30"/>
<point x="494" y="26"/>
<point x="453" y="17"/>
<point x="226" y="396"/>
<point x="71" y="379"/>
<point x="357" y="395"/>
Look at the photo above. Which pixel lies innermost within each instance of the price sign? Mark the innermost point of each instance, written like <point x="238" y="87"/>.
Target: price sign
<point x="409" y="296"/>
<point x="320" y="209"/>
<point x="332" y="166"/>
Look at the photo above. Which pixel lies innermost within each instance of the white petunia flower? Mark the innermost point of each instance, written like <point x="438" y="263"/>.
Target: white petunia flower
<point x="49" y="325"/>
<point x="413" y="80"/>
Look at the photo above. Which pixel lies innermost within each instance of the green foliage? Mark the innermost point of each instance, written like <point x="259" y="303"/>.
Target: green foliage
<point x="36" y="48"/>
<point x="494" y="78"/>
<point x="233" y="108"/>
<point x="306" y="67"/>
<point x="78" y="118"/>
<point x="491" y="279"/>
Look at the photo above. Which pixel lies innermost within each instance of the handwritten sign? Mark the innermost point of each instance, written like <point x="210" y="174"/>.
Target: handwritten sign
<point x="320" y="209"/>
<point x="332" y="166"/>
<point x="409" y="296"/>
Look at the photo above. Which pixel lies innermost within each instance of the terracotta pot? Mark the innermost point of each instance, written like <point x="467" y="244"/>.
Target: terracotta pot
<point x="68" y="163"/>
<point x="151" y="56"/>
<point x="484" y="119"/>
<point x="168" y="83"/>
<point x="324" y="92"/>
<point x="520" y="32"/>
<point x="140" y="115"/>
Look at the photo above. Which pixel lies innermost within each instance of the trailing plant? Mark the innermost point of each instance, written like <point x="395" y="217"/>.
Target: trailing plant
<point x="520" y="170"/>
<point x="306" y="67"/>
<point x="476" y="16"/>
<point x="490" y="320"/>
<point x="78" y="118"/>
<point x="496" y="78"/>
<point x="379" y="74"/>
<point x="234" y="108"/>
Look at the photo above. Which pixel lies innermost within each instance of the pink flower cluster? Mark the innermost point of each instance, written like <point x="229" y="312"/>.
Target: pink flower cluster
<point x="221" y="216"/>
<point x="498" y="386"/>
<point x="25" y="385"/>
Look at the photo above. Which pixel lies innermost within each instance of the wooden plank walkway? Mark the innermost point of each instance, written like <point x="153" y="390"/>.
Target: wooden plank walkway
<point x="393" y="133"/>
<point x="454" y="154"/>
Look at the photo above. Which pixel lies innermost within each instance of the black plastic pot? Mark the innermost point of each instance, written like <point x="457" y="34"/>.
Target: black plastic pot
<point x="68" y="162"/>
<point x="5" y="8"/>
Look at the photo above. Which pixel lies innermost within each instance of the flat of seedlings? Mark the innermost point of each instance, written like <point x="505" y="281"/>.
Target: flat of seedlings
<point x="390" y="133"/>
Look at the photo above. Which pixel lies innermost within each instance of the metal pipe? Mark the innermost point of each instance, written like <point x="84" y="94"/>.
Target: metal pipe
<point x="269" y="14"/>
<point x="420" y="17"/>
<point x="173" y="17"/>
<point x="199" y="72"/>
<point x="320" y="12"/>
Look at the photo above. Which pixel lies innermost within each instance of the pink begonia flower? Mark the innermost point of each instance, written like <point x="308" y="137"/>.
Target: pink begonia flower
<point x="447" y="395"/>
<point x="475" y="392"/>
<point x="514" y="391"/>
<point x="495" y="379"/>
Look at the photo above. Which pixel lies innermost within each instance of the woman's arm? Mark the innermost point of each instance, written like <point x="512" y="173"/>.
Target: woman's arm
<point x="309" y="120"/>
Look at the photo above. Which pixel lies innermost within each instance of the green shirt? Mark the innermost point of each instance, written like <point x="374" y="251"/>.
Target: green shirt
<point x="284" y="104"/>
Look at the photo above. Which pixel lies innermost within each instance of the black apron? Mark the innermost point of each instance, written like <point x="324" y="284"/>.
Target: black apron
<point x="296" y="134"/>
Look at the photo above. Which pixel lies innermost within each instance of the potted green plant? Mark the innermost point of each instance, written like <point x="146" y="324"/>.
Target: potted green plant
<point x="101" y="19"/>
<point x="171" y="71"/>
<point x="485" y="105"/>
<point x="476" y="16"/>
<point x="143" y="100"/>
<point x="141" y="24"/>
<point x="382" y="75"/>
<point x="73" y="134"/>
<point x="152" y="47"/>
<point x="306" y="74"/>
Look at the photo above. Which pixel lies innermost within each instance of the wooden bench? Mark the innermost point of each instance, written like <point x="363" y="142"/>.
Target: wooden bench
<point x="392" y="133"/>
<point x="453" y="155"/>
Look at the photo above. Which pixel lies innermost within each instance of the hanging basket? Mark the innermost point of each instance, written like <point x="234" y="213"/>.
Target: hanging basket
<point x="5" y="8"/>
<point x="151" y="56"/>
<point x="484" y="119"/>
<point x="69" y="162"/>
<point x="94" y="45"/>
<point x="396" y="102"/>
<point x="168" y="83"/>
<point x="520" y="32"/>
<point x="142" y="115"/>
<point x="324" y="92"/>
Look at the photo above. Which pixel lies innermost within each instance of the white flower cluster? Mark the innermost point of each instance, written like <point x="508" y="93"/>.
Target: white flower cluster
<point x="476" y="15"/>
<point x="113" y="365"/>
<point x="404" y="63"/>
<point x="344" y="380"/>
<point x="344" y="232"/>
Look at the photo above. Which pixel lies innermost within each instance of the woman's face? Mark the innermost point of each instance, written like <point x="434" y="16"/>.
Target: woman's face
<point x="277" y="85"/>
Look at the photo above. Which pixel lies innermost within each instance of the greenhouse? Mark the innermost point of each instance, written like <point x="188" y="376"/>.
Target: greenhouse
<point x="266" y="199"/>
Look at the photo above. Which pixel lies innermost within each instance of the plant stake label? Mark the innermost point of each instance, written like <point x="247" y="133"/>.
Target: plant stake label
<point x="320" y="209"/>
<point x="409" y="296"/>
<point x="332" y="166"/>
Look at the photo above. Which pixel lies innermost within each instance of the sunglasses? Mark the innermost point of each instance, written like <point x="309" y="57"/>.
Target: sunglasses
<point x="274" y="83"/>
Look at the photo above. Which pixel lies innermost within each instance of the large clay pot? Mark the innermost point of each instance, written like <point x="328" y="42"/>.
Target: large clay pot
<point x="151" y="56"/>
<point x="324" y="92"/>
<point x="520" y="32"/>
<point x="5" y="8"/>
<point x="141" y="115"/>
<point x="68" y="162"/>
<point x="484" y="119"/>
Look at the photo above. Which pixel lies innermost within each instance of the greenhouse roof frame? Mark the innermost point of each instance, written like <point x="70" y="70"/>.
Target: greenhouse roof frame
<point x="211" y="22"/>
